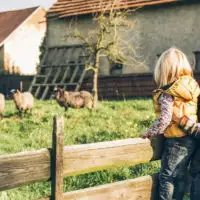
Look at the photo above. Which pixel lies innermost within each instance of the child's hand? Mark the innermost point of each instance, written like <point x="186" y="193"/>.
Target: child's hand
<point x="176" y="119"/>
<point x="145" y="134"/>
<point x="188" y="125"/>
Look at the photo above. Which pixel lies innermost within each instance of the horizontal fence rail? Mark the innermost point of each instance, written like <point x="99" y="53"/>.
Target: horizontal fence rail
<point x="139" y="188"/>
<point x="33" y="166"/>
<point x="85" y="158"/>
<point x="23" y="168"/>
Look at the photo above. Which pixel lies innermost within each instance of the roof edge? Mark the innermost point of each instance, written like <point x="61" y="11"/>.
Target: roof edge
<point x="36" y="8"/>
<point x="60" y="15"/>
<point x="19" y="9"/>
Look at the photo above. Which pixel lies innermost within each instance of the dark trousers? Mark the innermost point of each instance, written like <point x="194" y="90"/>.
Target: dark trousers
<point x="174" y="163"/>
<point x="195" y="173"/>
<point x="195" y="188"/>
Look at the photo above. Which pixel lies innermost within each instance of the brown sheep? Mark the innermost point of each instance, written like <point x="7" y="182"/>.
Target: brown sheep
<point x="23" y="101"/>
<point x="2" y="104"/>
<point x="73" y="99"/>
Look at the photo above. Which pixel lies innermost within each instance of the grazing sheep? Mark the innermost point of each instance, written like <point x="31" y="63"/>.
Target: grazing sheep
<point x="23" y="101"/>
<point x="2" y="104"/>
<point x="73" y="99"/>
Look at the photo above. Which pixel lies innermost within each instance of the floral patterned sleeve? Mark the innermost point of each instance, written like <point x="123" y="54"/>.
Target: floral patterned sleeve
<point x="166" y="102"/>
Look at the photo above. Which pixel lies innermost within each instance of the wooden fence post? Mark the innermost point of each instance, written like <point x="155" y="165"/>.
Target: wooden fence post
<point x="57" y="159"/>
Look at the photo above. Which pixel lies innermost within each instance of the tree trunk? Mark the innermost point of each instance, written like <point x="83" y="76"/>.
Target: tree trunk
<point x="95" y="81"/>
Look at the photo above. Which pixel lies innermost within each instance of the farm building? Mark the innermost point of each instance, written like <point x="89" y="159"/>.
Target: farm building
<point x="21" y="34"/>
<point x="160" y="24"/>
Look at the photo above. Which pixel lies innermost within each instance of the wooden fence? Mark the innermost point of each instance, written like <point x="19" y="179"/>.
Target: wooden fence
<point x="59" y="161"/>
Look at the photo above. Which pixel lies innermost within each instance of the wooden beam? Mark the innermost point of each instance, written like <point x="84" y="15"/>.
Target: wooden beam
<point x="35" y="77"/>
<point x="62" y="65"/>
<point x="66" y="73"/>
<point x="80" y="159"/>
<point x="54" y="84"/>
<point x="67" y="46"/>
<point x="75" y="71"/>
<point x="80" y="80"/>
<point x="57" y="159"/>
<point x="34" y="166"/>
<point x="23" y="168"/>
<point x="142" y="188"/>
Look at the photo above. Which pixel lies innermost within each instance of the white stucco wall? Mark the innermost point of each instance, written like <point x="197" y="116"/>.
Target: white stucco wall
<point x="21" y="49"/>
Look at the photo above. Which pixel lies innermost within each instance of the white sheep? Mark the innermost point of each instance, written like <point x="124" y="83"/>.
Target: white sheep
<point x="24" y="101"/>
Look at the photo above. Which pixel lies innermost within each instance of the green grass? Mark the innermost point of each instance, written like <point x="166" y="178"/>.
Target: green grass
<point x="110" y="121"/>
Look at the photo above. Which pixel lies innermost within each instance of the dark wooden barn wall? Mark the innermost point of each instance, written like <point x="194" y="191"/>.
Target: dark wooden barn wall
<point x="125" y="86"/>
<point x="122" y="87"/>
<point x="8" y="82"/>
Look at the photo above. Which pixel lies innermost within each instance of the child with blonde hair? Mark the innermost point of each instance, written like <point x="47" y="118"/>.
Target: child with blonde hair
<point x="176" y="96"/>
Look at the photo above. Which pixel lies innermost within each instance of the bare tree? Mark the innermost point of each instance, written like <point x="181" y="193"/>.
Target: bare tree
<point x="108" y="38"/>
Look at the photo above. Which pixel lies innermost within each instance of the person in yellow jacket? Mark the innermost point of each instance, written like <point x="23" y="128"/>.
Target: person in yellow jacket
<point x="176" y="96"/>
<point x="191" y="128"/>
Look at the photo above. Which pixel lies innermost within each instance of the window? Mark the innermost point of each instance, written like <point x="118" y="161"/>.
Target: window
<point x="116" y="69"/>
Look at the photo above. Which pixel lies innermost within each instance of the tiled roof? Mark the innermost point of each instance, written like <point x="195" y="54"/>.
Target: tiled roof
<point x="66" y="8"/>
<point x="10" y="20"/>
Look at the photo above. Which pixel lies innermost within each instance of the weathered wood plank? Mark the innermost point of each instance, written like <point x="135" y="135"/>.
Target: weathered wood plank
<point x="23" y="168"/>
<point x="37" y="93"/>
<point x="142" y="188"/>
<point x="80" y="80"/>
<point x="54" y="84"/>
<point x="57" y="159"/>
<point x="67" y="70"/>
<point x="35" y="77"/>
<point x="67" y="46"/>
<point x="61" y="65"/>
<point x="81" y="159"/>
<point x="73" y="76"/>
<point x="34" y="166"/>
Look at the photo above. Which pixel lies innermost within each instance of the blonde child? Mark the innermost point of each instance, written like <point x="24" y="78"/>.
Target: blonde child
<point x="192" y="129"/>
<point x="176" y="96"/>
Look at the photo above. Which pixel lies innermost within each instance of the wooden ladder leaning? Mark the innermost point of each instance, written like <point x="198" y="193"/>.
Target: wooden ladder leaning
<point x="62" y="66"/>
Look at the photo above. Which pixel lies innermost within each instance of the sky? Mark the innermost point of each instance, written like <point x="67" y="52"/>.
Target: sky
<point x="20" y="4"/>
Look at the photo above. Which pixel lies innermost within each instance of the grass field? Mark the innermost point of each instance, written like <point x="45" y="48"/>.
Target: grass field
<point x="111" y="121"/>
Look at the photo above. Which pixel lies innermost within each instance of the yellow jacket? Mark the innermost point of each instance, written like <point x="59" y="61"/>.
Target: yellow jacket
<point x="185" y="92"/>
